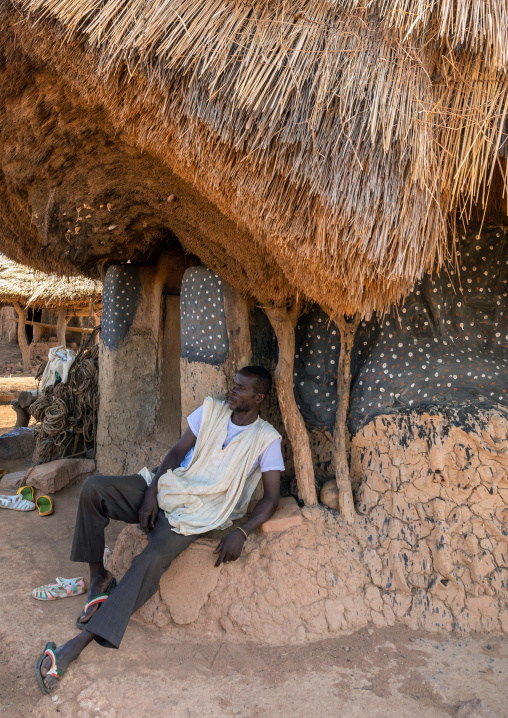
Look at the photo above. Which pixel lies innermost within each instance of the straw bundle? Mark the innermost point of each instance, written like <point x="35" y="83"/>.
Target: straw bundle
<point x="342" y="135"/>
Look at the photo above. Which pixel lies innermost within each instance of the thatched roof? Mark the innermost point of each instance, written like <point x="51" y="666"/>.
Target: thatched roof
<point x="31" y="288"/>
<point x="341" y="135"/>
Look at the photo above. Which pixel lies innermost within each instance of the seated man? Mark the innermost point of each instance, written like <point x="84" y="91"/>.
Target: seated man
<point x="204" y="483"/>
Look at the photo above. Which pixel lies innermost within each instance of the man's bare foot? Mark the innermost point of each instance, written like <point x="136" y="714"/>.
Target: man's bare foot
<point x="65" y="654"/>
<point x="99" y="582"/>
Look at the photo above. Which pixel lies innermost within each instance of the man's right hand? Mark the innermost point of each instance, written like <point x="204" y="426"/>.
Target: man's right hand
<point x="148" y="510"/>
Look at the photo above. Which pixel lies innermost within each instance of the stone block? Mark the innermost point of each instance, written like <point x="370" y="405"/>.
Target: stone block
<point x="287" y="515"/>
<point x="16" y="444"/>
<point x="329" y="495"/>
<point x="12" y="482"/>
<point x="188" y="582"/>
<point x="54" y="475"/>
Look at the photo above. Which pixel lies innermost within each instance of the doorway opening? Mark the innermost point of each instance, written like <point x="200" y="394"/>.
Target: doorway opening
<point x="170" y="406"/>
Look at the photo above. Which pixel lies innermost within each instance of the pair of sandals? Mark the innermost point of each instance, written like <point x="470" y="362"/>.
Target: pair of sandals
<point x="50" y="647"/>
<point x="24" y="501"/>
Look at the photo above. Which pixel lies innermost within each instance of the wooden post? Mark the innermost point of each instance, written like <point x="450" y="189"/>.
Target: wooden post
<point x="347" y="336"/>
<point x="284" y="323"/>
<point x="23" y="344"/>
<point x="237" y="311"/>
<point x="61" y="325"/>
<point x="96" y="321"/>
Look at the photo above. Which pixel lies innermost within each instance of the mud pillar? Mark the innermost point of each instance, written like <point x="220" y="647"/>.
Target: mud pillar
<point x="204" y="339"/>
<point x="237" y="312"/>
<point x="128" y="367"/>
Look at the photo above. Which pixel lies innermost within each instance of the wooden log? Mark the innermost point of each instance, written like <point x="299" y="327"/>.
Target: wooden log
<point x="23" y="344"/>
<point x="97" y="321"/>
<point x="61" y="325"/>
<point x="284" y="323"/>
<point x="82" y="330"/>
<point x="347" y="331"/>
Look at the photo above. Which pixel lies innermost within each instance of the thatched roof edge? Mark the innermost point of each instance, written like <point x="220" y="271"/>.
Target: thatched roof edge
<point x="32" y="288"/>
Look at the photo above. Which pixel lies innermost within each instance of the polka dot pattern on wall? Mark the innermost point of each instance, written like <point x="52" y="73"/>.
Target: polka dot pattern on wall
<point x="317" y="349"/>
<point x="203" y="322"/>
<point x="120" y="297"/>
<point x="447" y="342"/>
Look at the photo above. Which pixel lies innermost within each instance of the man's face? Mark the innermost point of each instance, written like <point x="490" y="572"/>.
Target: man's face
<point x="243" y="396"/>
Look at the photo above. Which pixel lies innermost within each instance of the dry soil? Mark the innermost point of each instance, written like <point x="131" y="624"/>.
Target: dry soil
<point x="378" y="673"/>
<point x="12" y="380"/>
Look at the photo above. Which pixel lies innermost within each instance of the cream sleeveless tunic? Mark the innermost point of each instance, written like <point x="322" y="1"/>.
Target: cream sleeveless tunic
<point x="215" y="488"/>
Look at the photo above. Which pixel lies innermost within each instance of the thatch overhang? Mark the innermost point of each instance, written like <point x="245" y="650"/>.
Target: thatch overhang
<point x="32" y="288"/>
<point x="337" y="138"/>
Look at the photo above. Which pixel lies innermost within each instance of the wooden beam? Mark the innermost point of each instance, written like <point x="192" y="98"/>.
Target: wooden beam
<point x="347" y="331"/>
<point x="284" y="323"/>
<point x="54" y="326"/>
<point x="61" y="324"/>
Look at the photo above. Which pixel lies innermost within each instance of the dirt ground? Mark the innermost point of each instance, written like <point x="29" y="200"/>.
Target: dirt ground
<point x="12" y="380"/>
<point x="373" y="673"/>
<point x="378" y="673"/>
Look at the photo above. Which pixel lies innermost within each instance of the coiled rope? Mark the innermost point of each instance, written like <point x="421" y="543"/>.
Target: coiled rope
<point x="66" y="414"/>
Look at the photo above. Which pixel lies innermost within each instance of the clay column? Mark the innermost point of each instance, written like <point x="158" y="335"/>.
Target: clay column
<point x="237" y="311"/>
<point x="128" y="369"/>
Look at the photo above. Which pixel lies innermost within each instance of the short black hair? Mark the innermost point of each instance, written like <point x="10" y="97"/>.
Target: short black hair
<point x="263" y="382"/>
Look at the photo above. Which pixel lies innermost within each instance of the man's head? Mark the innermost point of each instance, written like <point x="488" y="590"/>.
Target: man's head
<point x="250" y="386"/>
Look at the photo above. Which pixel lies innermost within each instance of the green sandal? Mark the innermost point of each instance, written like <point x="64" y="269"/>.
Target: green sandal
<point x="27" y="492"/>
<point x="49" y="650"/>
<point x="45" y="505"/>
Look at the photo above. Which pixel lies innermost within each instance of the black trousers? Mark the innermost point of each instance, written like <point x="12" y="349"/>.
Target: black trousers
<point x="119" y="497"/>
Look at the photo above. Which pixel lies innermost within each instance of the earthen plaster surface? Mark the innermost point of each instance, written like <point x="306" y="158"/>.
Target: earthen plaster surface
<point x="428" y="548"/>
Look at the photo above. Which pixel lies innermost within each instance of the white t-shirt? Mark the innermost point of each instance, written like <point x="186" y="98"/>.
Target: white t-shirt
<point x="270" y="460"/>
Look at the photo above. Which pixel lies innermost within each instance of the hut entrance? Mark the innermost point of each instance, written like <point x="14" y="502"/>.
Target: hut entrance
<point x="170" y="410"/>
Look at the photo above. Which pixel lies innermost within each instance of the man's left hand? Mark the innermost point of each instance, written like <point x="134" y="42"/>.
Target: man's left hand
<point x="230" y="547"/>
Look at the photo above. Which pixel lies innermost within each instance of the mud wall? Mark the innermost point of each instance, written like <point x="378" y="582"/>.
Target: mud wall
<point x="427" y="550"/>
<point x="204" y="339"/>
<point x="8" y="327"/>
<point x="437" y="496"/>
<point x="129" y="365"/>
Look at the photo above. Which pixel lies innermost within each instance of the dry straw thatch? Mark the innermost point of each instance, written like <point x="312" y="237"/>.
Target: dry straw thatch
<point x="342" y="134"/>
<point x="31" y="288"/>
